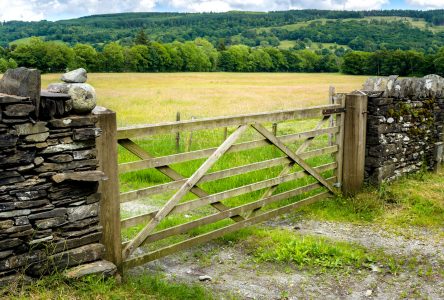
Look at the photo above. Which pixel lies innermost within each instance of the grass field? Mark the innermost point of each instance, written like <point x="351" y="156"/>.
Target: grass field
<point x="140" y="98"/>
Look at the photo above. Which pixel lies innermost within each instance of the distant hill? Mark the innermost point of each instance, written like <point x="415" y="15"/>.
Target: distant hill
<point x="358" y="30"/>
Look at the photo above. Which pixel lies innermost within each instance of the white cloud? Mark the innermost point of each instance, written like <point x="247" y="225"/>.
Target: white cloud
<point x="263" y="5"/>
<point x="57" y="9"/>
<point x="19" y="10"/>
<point x="427" y="4"/>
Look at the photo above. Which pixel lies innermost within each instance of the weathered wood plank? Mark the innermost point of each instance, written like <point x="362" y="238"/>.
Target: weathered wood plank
<point x="210" y="123"/>
<point x="268" y="192"/>
<point x="109" y="189"/>
<point x="331" y="100"/>
<point x="296" y="158"/>
<point x="140" y="260"/>
<point x="182" y="228"/>
<point x="354" y="142"/>
<point x="166" y="170"/>
<point x="134" y="195"/>
<point x="339" y="139"/>
<point x="166" y="209"/>
<point x="161" y="188"/>
<point x="177" y="158"/>
<point x="193" y="204"/>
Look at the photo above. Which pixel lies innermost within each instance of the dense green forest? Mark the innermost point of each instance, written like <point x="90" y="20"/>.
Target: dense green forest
<point x="356" y="42"/>
<point x="360" y="30"/>
<point x="201" y="56"/>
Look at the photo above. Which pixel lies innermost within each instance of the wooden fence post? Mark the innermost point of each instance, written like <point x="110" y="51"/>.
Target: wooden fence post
<point x="355" y="124"/>
<point x="275" y="129"/>
<point x="178" y="133"/>
<point x="109" y="189"/>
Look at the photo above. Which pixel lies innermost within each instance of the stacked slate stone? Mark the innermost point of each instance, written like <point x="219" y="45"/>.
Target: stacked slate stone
<point x="404" y="127"/>
<point x="49" y="204"/>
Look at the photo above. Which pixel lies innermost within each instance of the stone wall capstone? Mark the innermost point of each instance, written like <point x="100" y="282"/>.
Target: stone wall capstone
<point x="49" y="205"/>
<point x="404" y="125"/>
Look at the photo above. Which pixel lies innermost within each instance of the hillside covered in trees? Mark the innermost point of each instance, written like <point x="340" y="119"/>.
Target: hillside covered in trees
<point x="356" y="42"/>
<point x="390" y="29"/>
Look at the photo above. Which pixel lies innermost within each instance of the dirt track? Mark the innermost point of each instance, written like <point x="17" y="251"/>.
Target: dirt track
<point x="233" y="272"/>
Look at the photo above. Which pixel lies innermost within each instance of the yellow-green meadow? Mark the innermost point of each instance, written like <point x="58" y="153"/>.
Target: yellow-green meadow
<point x="140" y="98"/>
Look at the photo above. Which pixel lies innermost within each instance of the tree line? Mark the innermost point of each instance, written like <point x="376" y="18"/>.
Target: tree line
<point x="148" y="56"/>
<point x="393" y="62"/>
<point x="201" y="56"/>
<point x="249" y="28"/>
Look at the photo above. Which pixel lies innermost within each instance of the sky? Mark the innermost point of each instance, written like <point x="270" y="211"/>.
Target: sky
<point x="33" y="10"/>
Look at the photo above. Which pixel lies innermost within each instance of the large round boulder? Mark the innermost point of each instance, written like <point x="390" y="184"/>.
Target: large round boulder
<point x="75" y="76"/>
<point x="83" y="97"/>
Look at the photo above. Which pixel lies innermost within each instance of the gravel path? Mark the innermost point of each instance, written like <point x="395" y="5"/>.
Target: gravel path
<point x="233" y="272"/>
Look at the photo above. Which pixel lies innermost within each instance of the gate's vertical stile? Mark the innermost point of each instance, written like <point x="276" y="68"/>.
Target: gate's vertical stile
<point x="355" y="128"/>
<point x="109" y="189"/>
<point x="339" y="140"/>
<point x="331" y="100"/>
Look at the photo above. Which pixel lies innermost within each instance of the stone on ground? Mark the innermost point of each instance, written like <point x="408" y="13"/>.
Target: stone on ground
<point x="101" y="267"/>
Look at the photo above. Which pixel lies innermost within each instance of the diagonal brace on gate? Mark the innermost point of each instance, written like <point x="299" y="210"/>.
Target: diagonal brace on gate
<point x="287" y="168"/>
<point x="293" y="156"/>
<point x="188" y="185"/>
<point x="172" y="174"/>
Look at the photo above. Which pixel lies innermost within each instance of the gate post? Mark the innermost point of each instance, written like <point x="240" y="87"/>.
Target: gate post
<point x="109" y="189"/>
<point x="355" y="129"/>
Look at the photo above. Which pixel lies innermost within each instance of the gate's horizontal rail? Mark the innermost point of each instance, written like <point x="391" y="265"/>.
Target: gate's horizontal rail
<point x="187" y="156"/>
<point x="182" y="228"/>
<point x="137" y="261"/>
<point x="134" y="195"/>
<point x="193" y="204"/>
<point x="210" y="123"/>
<point x="161" y="188"/>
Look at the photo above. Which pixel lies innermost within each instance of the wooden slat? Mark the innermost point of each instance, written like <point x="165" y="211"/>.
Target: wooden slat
<point x="296" y="158"/>
<point x="166" y="170"/>
<point x="288" y="167"/>
<point x="188" y="185"/>
<point x="134" y="195"/>
<point x="161" y="188"/>
<point x="182" y="157"/>
<point x="245" y="189"/>
<point x="210" y="123"/>
<point x="182" y="228"/>
<point x="140" y="260"/>
<point x="193" y="204"/>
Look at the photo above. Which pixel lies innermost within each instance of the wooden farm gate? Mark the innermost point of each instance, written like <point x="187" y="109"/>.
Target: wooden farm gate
<point x="296" y="162"/>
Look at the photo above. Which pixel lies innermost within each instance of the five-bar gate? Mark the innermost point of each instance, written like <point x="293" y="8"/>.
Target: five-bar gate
<point x="277" y="173"/>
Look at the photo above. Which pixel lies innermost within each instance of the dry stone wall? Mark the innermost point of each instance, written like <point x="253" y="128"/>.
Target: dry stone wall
<point x="404" y="127"/>
<point x="49" y="204"/>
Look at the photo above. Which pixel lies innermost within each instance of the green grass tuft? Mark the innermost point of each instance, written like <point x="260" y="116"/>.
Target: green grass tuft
<point x="141" y="286"/>
<point x="283" y="246"/>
